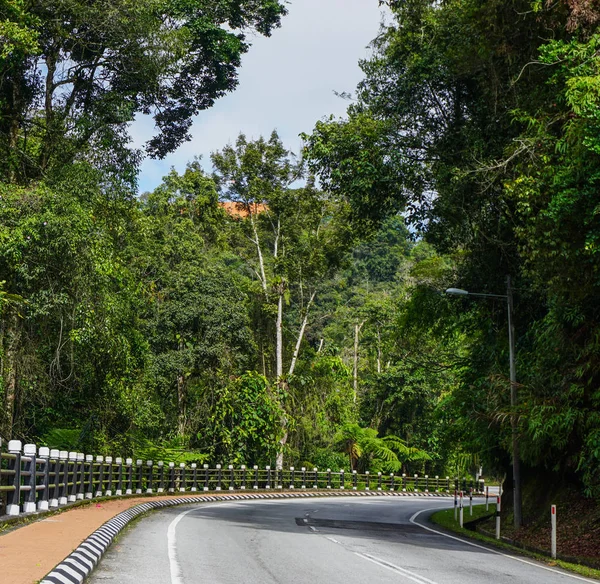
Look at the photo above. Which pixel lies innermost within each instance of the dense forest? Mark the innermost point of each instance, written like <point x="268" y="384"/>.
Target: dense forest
<point x="289" y="308"/>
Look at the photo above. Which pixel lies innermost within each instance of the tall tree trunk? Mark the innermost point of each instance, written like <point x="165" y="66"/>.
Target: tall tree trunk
<point x="11" y="339"/>
<point x="181" y="409"/>
<point x="378" y="350"/>
<point x="301" y="335"/>
<point x="357" y="328"/>
<point x="279" y="337"/>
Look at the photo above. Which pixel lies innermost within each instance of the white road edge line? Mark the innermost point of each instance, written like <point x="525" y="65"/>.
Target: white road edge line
<point x="174" y="566"/>
<point x="397" y="569"/>
<point x="516" y="558"/>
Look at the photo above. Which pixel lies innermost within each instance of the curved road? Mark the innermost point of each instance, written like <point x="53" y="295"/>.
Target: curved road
<point x="304" y="541"/>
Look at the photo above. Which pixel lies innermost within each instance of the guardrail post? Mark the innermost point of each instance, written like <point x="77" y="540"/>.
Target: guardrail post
<point x="81" y="472"/>
<point x="329" y="478"/>
<point x="392" y="486"/>
<point x="44" y="499"/>
<point x="292" y="477"/>
<point x="171" y="477"/>
<point x="437" y="484"/>
<point x="255" y="486"/>
<point x="119" y="462"/>
<point x="342" y="479"/>
<point x="129" y="465"/>
<point x="231" y="478"/>
<point x="279" y="478"/>
<point x="140" y="476"/>
<point x="29" y="453"/>
<point x="161" y="477"/>
<point x="206" y="477"/>
<point x="219" y="477"/>
<point x="13" y="506"/>
<point x="427" y="483"/>
<point x="182" y="477"/>
<point x="354" y="480"/>
<point x="416" y="486"/>
<point x="100" y="486"/>
<point x="64" y="463"/>
<point x="404" y="482"/>
<point x="487" y="498"/>
<point x="89" y="460"/>
<point x="194" y="477"/>
<point x="461" y="509"/>
<point x="72" y="463"/>
<point x="471" y="502"/>
<point x="553" y="535"/>
<point x="243" y="486"/>
<point x="379" y="481"/>
<point x="268" y="485"/>
<point x="55" y="473"/>
<point x="316" y="478"/>
<point x="367" y="481"/>
<point x="109" y="468"/>
<point x="447" y="484"/>
<point x="149" y="464"/>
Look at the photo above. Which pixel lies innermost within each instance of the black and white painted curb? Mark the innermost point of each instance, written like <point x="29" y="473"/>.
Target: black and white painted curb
<point x="75" y="568"/>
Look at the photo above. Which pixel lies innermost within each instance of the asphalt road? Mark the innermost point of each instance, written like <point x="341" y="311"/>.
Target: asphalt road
<point x="305" y="541"/>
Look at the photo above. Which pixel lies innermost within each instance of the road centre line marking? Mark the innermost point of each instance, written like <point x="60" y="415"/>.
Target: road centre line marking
<point x="174" y="566"/>
<point x="397" y="569"/>
<point x="522" y="560"/>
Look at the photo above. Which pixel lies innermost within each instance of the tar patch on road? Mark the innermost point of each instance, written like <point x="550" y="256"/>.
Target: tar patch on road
<point x="359" y="525"/>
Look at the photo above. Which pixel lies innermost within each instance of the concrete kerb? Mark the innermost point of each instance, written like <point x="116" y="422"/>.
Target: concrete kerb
<point x="78" y="565"/>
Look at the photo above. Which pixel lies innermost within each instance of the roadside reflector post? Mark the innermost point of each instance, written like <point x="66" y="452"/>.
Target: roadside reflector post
<point x="471" y="502"/>
<point x="498" y="507"/>
<point x="455" y="505"/>
<point x="243" y="487"/>
<point x="553" y="539"/>
<point x="231" y="478"/>
<point x="461" y="509"/>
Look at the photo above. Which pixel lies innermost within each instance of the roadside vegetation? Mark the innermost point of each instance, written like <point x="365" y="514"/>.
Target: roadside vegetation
<point x="288" y="308"/>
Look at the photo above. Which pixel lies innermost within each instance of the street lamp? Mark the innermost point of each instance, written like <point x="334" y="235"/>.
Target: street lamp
<point x="513" y="391"/>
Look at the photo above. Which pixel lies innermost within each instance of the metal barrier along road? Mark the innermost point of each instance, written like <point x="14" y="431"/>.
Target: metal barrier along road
<point x="39" y="479"/>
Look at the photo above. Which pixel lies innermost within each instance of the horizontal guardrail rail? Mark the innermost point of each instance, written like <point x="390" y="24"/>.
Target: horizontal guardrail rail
<point x="40" y="479"/>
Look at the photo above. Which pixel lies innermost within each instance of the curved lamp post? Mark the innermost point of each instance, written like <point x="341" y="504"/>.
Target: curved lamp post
<point x="516" y="462"/>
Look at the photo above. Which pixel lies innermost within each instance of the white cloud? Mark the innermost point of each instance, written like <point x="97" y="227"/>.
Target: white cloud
<point x="287" y="82"/>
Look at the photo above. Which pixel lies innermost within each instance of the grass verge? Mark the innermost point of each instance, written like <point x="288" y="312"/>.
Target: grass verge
<point x="445" y="519"/>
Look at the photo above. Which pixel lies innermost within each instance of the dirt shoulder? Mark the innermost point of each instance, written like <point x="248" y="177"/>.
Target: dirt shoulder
<point x="28" y="553"/>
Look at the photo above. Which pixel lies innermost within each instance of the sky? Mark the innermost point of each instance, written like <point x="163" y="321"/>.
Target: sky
<point x="286" y="82"/>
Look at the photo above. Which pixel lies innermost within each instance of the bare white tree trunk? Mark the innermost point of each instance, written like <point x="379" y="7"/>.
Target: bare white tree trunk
<point x="378" y="351"/>
<point x="301" y="335"/>
<point x="357" y="328"/>
<point x="261" y="262"/>
<point x="320" y="346"/>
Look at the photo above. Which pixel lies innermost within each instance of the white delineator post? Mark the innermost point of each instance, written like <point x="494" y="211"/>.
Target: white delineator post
<point x="455" y="505"/>
<point x="553" y="537"/>
<point x="498" y="507"/>
<point x="461" y="512"/>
